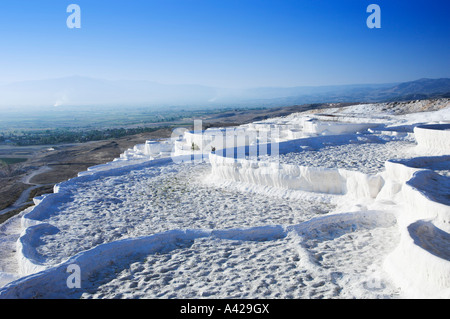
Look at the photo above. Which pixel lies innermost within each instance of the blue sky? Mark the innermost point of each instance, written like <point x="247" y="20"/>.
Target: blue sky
<point x="226" y="43"/>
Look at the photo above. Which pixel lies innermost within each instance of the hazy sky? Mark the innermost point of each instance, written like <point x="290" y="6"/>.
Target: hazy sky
<point x="228" y="43"/>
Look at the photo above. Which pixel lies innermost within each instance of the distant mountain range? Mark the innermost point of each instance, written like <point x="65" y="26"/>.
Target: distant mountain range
<point x="84" y="91"/>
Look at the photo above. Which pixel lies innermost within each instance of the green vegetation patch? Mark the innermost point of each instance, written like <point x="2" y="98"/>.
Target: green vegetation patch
<point x="12" y="160"/>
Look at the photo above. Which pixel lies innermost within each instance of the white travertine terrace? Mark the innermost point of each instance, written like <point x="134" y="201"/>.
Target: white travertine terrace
<point x="403" y="206"/>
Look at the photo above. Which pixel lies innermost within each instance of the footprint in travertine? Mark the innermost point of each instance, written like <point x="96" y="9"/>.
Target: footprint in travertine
<point x="152" y="200"/>
<point x="348" y="253"/>
<point x="213" y="267"/>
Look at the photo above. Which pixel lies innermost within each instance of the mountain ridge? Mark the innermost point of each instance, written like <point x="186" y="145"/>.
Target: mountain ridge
<point x="82" y="91"/>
